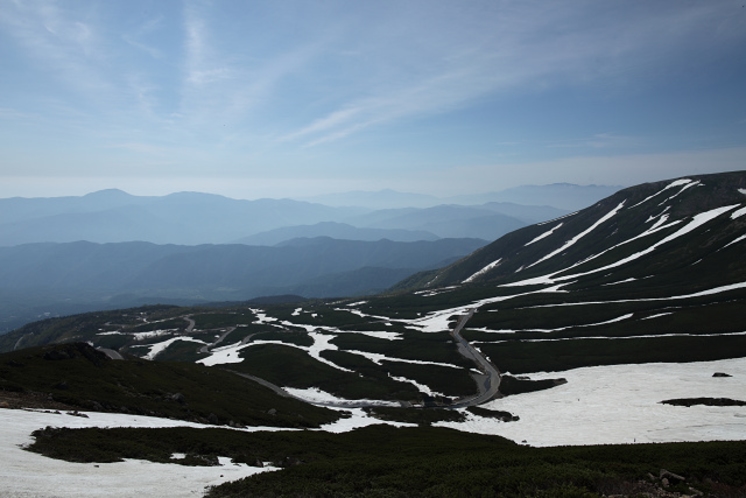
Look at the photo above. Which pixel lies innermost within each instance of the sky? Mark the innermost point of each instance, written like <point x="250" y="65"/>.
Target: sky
<point x="297" y="98"/>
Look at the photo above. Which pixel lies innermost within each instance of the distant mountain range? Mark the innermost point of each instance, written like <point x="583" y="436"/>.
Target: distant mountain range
<point x="190" y="218"/>
<point x="110" y="249"/>
<point x="184" y="218"/>
<point x="565" y="196"/>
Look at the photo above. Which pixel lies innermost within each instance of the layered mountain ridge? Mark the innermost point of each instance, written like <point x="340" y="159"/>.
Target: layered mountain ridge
<point x="660" y="232"/>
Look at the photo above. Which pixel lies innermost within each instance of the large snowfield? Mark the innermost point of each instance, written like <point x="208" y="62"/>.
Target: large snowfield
<point x="598" y="405"/>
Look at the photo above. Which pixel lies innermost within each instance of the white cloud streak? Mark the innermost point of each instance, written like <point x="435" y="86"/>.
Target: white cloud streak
<point x="65" y="46"/>
<point x="518" y="48"/>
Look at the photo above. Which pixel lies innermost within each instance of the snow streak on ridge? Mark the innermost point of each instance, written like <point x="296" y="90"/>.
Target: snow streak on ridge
<point x="697" y="221"/>
<point x="582" y="234"/>
<point x="706" y="292"/>
<point x="676" y="183"/>
<point x="544" y="235"/>
<point x="483" y="270"/>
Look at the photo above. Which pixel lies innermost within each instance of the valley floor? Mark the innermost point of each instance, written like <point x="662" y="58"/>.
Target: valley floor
<point x="598" y="405"/>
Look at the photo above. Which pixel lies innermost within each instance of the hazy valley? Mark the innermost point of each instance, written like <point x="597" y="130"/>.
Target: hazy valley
<point x="109" y="249"/>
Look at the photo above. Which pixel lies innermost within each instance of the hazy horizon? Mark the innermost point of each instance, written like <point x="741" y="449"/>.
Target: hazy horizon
<point x="300" y="99"/>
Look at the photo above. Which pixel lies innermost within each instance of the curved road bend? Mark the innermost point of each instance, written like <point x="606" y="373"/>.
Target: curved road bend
<point x="206" y="347"/>
<point x="488" y="388"/>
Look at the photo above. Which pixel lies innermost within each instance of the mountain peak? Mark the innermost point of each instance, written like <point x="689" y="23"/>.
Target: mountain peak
<point x="108" y="193"/>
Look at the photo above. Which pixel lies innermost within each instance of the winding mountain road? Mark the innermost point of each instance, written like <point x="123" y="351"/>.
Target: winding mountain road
<point x="490" y="384"/>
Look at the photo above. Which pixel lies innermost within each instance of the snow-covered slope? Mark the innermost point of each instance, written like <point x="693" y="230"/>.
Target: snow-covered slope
<point x="689" y="230"/>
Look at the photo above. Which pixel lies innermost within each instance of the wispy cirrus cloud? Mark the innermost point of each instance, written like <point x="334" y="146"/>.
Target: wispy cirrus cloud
<point x="526" y="47"/>
<point x="66" y="46"/>
<point x="135" y="37"/>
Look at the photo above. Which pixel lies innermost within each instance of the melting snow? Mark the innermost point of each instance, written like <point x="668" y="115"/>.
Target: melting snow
<point x="706" y="292"/>
<point x="229" y="354"/>
<point x="377" y="358"/>
<point x="262" y="317"/>
<point x="435" y="292"/>
<point x="26" y="474"/>
<point x="657" y="315"/>
<point x="321" y="342"/>
<point x="378" y="334"/>
<point x="674" y="184"/>
<point x="358" y="418"/>
<point x="598" y="405"/>
<point x="738" y="214"/>
<point x="582" y="234"/>
<point x="735" y="241"/>
<point x="359" y="303"/>
<point x="621" y="404"/>
<point x="544" y="235"/>
<point x="158" y="348"/>
<point x="688" y="185"/>
<point x="697" y="221"/>
<point x="141" y="336"/>
<point x="420" y="387"/>
<point x="625" y="281"/>
<point x="224" y="354"/>
<point x="559" y="329"/>
<point x="483" y="270"/>
<point x="316" y="396"/>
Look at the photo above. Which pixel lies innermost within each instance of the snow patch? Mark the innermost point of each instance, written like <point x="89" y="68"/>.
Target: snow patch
<point x="224" y="355"/>
<point x="620" y="404"/>
<point x="582" y="234"/>
<point x="657" y="315"/>
<point x="738" y="213"/>
<point x="735" y="241"/>
<point x="543" y="235"/>
<point x="688" y="185"/>
<point x="420" y="387"/>
<point x="158" y="348"/>
<point x="674" y="184"/>
<point x="141" y="336"/>
<point x="377" y="334"/>
<point x="697" y="221"/>
<point x="625" y="281"/>
<point x="483" y="271"/>
<point x="316" y="396"/>
<point x="26" y="474"/>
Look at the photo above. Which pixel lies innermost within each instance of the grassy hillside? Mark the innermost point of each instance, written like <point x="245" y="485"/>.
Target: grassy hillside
<point x="79" y="376"/>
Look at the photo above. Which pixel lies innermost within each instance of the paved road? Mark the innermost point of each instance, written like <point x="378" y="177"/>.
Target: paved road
<point x="114" y="355"/>
<point x="206" y="347"/>
<point x="490" y="384"/>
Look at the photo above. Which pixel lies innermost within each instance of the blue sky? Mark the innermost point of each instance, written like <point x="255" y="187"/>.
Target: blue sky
<point x="255" y="99"/>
